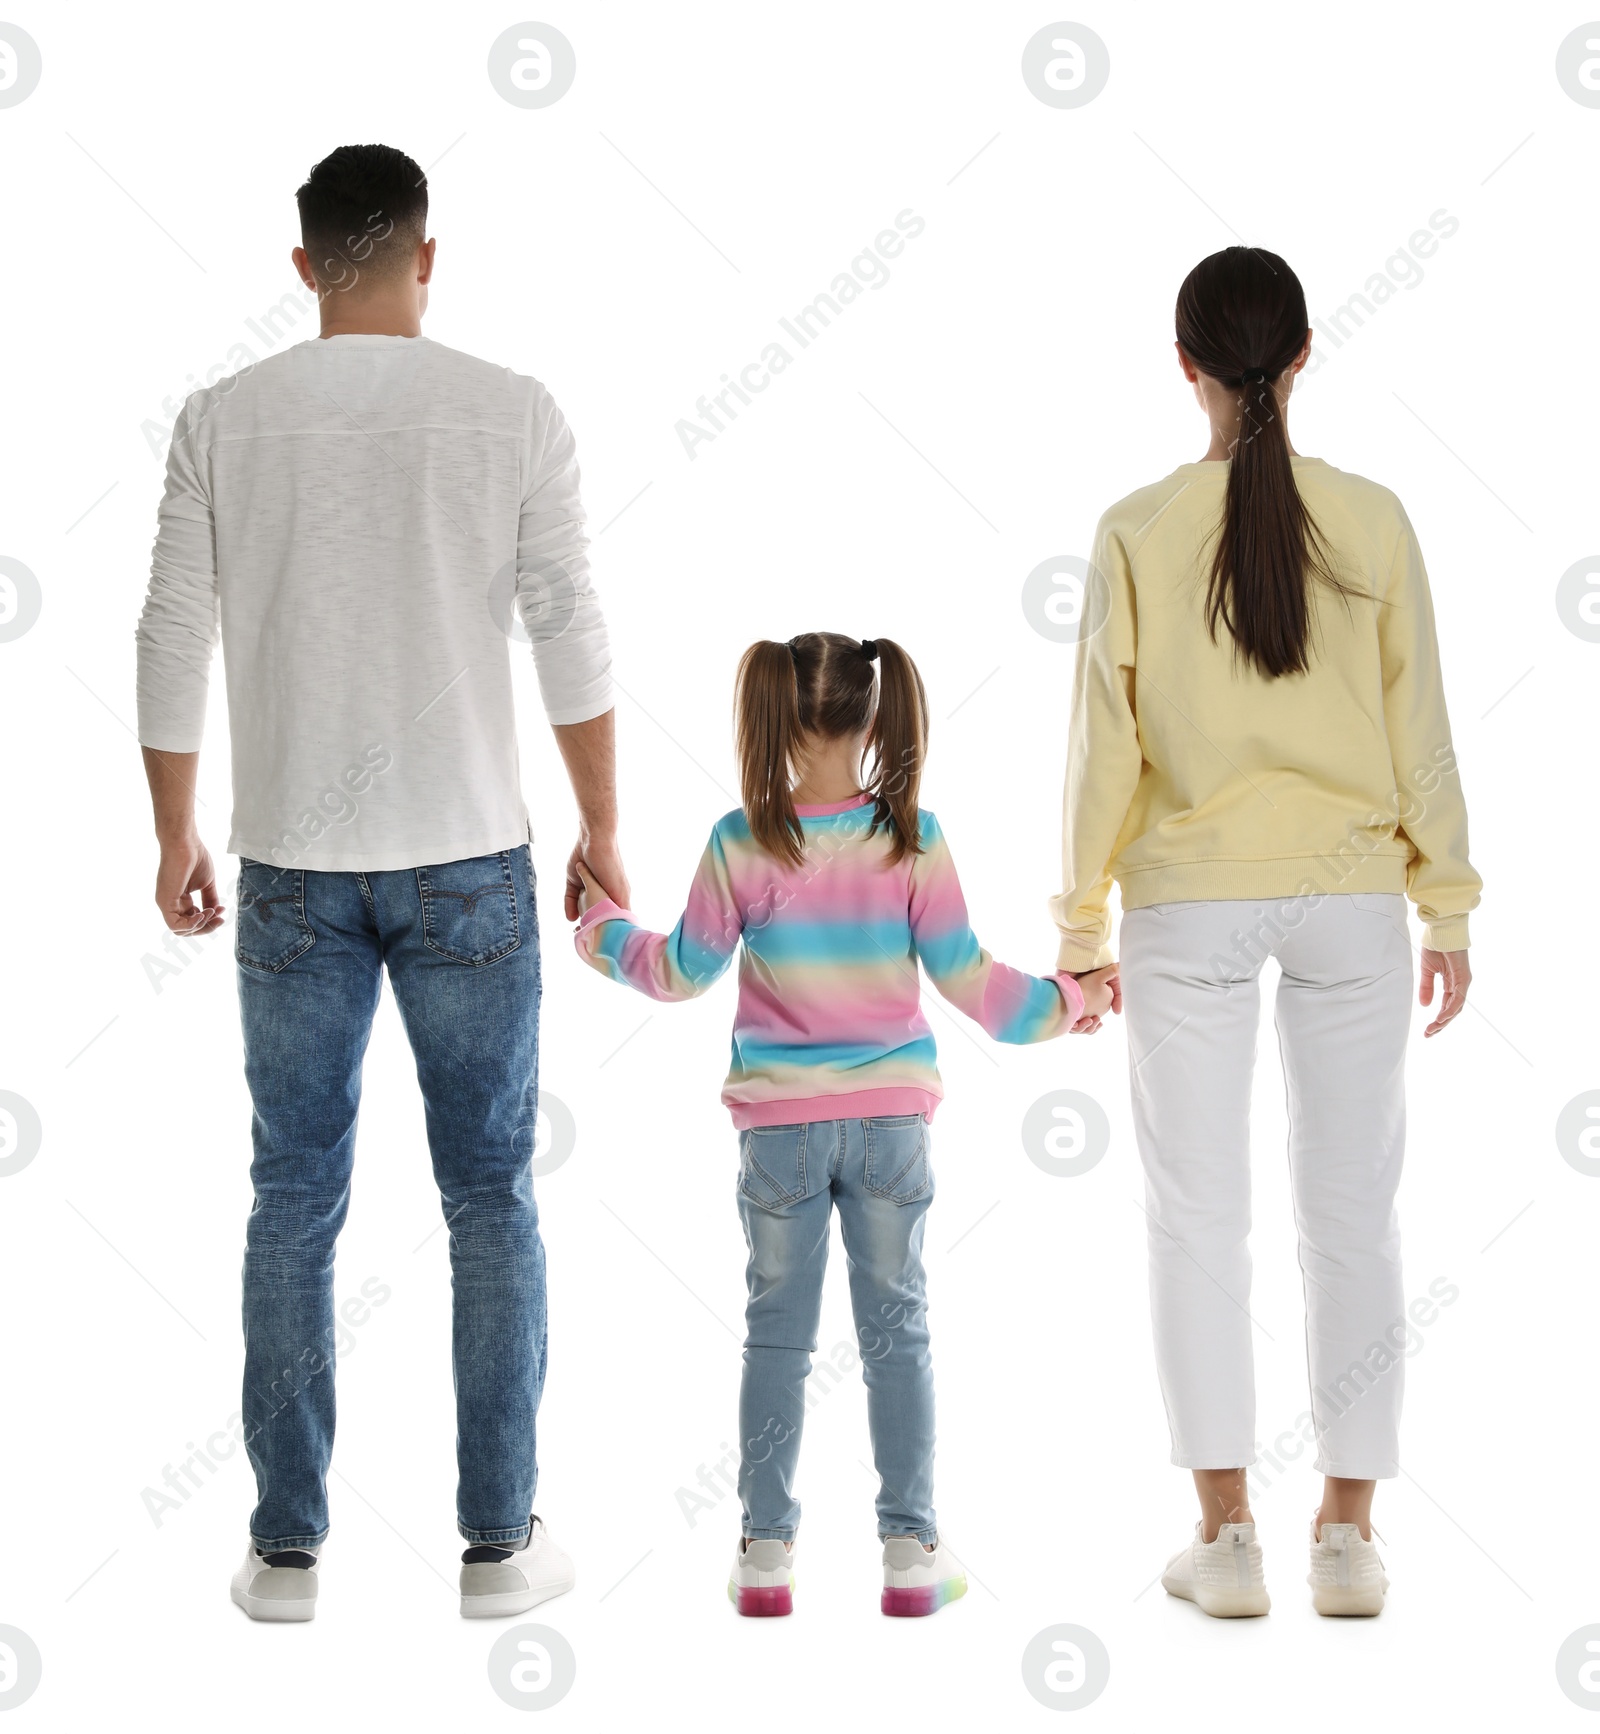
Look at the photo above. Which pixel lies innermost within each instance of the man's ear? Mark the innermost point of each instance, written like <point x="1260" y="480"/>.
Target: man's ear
<point x="302" y="263"/>
<point x="425" y="261"/>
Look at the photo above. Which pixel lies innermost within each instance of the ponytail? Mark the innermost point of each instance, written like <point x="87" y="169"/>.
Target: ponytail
<point x="767" y="730"/>
<point x="1241" y="319"/>
<point x="897" y="746"/>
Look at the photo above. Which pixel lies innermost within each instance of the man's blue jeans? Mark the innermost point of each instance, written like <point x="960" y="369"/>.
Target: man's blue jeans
<point x="791" y="1178"/>
<point x="461" y="944"/>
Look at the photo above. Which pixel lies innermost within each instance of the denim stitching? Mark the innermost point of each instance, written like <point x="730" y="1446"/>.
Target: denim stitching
<point x="887" y="1188"/>
<point x="748" y="1162"/>
<point x="251" y="900"/>
<point x="470" y="899"/>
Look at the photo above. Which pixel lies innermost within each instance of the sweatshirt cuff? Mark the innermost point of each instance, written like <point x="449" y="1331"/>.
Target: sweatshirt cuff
<point x="1450" y="934"/>
<point x="604" y="910"/>
<point x="1078" y="955"/>
<point x="1071" y="993"/>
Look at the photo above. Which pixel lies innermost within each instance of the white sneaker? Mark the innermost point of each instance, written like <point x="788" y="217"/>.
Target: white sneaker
<point x="497" y="1579"/>
<point x="761" y="1583"/>
<point x="277" y="1586"/>
<point x="1346" y="1574"/>
<point x="1222" y="1578"/>
<point x="917" y="1582"/>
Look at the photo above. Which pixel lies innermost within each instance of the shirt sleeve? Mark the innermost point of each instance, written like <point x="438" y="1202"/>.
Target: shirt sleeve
<point x="178" y="628"/>
<point x="676" y="965"/>
<point x="555" y="599"/>
<point x="1440" y="878"/>
<point x="1104" y="762"/>
<point x="1011" y="1006"/>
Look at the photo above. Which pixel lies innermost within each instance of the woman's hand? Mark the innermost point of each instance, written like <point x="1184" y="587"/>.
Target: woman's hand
<point x="1102" y="993"/>
<point x="1455" y="975"/>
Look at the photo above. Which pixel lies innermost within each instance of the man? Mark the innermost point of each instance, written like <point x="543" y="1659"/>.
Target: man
<point x="363" y="514"/>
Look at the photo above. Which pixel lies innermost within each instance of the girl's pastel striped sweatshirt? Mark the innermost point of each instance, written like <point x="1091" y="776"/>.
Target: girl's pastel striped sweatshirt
<point x="829" y="1023"/>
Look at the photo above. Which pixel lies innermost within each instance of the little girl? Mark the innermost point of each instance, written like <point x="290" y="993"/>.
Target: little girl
<point x="838" y="884"/>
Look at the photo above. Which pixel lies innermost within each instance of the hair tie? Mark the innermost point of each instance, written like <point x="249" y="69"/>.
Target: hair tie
<point x="869" y="649"/>
<point x="1253" y="376"/>
<point x="794" y="654"/>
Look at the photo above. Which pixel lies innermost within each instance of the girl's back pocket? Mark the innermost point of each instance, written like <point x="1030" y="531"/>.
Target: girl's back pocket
<point x="897" y="1157"/>
<point x="772" y="1164"/>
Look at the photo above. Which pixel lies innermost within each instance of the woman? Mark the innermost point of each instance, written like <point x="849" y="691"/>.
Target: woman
<point x="1260" y="757"/>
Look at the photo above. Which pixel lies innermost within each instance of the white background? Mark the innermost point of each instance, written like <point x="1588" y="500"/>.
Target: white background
<point x="954" y="428"/>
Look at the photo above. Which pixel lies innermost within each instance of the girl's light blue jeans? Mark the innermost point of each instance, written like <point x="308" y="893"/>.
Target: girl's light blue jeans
<point x="790" y="1180"/>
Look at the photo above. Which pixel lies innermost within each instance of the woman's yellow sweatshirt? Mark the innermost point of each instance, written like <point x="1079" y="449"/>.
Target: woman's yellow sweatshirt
<point x="1192" y="776"/>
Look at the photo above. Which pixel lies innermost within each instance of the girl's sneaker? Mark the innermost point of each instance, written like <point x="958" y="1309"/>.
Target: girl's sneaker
<point x="1346" y="1575"/>
<point x="1222" y="1578"/>
<point x="917" y="1582"/>
<point x="762" y="1581"/>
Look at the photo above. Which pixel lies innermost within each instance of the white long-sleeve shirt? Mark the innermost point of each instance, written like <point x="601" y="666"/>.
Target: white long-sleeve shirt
<point x="360" y="515"/>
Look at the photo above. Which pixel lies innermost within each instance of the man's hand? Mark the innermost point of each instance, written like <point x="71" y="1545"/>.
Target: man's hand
<point x="1455" y="976"/>
<point x="185" y="868"/>
<point x="184" y="873"/>
<point x="605" y="876"/>
<point x="1102" y="993"/>
<point x="589" y="751"/>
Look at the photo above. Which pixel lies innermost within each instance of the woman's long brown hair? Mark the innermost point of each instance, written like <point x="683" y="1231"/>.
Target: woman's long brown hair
<point x="821" y="684"/>
<point x="1242" y="319"/>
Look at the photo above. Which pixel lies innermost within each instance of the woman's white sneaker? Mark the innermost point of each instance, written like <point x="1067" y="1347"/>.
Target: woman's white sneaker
<point x="277" y="1586"/>
<point x="1222" y="1578"/>
<point x="761" y="1584"/>
<point x="917" y="1582"/>
<point x="497" y="1579"/>
<point x="1346" y="1574"/>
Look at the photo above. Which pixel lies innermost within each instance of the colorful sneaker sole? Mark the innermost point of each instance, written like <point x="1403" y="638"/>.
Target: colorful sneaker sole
<point x="922" y="1599"/>
<point x="765" y="1603"/>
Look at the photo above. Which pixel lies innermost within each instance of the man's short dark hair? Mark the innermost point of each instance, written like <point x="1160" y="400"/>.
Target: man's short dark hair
<point x="363" y="208"/>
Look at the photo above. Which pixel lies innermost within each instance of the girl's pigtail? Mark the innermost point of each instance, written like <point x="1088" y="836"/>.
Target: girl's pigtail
<point x="767" y="730"/>
<point x="897" y="745"/>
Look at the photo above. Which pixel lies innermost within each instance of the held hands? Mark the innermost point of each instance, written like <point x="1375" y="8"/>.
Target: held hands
<point x="1102" y="993"/>
<point x="591" y="890"/>
<point x="1455" y="976"/>
<point x="594" y="871"/>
